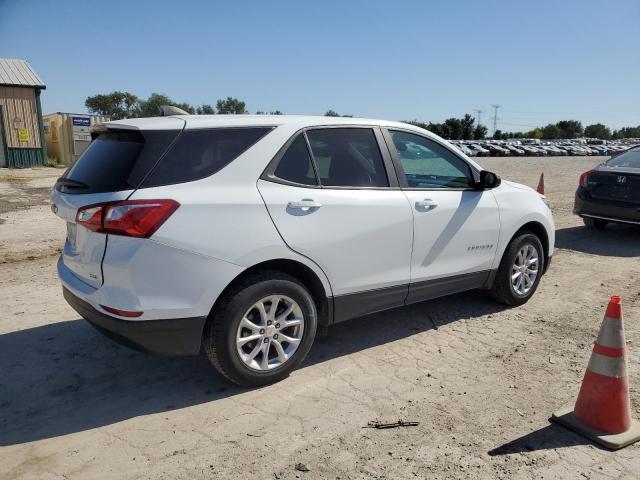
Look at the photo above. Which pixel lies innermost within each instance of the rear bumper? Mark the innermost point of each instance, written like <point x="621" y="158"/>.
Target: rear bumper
<point x="610" y="210"/>
<point x="180" y="336"/>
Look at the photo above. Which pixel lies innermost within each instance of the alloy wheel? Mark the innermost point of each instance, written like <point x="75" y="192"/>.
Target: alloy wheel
<point x="525" y="270"/>
<point x="270" y="332"/>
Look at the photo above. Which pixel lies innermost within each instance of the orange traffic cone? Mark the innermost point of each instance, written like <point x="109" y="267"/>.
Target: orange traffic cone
<point x="602" y="412"/>
<point x="540" y="188"/>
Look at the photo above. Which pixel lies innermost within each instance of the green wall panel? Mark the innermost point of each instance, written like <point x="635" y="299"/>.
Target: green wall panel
<point x="24" y="157"/>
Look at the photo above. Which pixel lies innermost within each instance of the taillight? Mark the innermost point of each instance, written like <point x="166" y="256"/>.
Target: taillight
<point x="131" y="218"/>
<point x="90" y="217"/>
<point x="584" y="177"/>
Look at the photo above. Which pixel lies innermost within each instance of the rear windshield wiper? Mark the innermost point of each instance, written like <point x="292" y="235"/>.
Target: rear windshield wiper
<point x="69" y="183"/>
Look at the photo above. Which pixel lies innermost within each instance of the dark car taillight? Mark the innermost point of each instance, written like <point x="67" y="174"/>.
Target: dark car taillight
<point x="131" y="218"/>
<point x="584" y="178"/>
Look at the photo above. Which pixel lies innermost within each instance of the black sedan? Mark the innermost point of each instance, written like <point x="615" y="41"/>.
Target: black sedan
<point x="611" y="192"/>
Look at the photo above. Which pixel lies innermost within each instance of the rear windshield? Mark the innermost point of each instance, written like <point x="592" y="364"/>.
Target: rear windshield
<point x="628" y="159"/>
<point x="116" y="160"/>
<point x="126" y="160"/>
<point x="200" y="153"/>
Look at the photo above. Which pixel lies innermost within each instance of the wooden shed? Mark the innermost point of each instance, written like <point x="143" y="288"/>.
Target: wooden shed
<point x="67" y="135"/>
<point x="21" y="128"/>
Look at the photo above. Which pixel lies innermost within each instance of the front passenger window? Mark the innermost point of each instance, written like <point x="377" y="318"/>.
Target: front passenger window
<point x="429" y="165"/>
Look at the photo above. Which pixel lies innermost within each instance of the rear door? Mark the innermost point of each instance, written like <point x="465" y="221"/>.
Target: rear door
<point x="110" y="169"/>
<point x="332" y="200"/>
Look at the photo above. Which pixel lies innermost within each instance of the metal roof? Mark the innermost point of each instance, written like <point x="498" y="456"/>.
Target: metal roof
<point x="18" y="72"/>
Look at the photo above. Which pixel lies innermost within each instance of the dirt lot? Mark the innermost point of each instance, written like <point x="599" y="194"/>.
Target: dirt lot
<point x="481" y="379"/>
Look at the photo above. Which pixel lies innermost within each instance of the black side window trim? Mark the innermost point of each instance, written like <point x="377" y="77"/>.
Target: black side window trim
<point x="269" y="173"/>
<point x="389" y="167"/>
<point x="402" y="179"/>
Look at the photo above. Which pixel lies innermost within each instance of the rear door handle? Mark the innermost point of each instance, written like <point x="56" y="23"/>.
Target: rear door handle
<point x="304" y="204"/>
<point x="426" y="204"/>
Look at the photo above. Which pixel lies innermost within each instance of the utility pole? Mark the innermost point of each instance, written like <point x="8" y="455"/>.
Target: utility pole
<point x="495" y="117"/>
<point x="479" y="115"/>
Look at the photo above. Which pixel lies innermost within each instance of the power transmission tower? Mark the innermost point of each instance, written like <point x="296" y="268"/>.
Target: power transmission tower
<point x="479" y="115"/>
<point x="495" y="117"/>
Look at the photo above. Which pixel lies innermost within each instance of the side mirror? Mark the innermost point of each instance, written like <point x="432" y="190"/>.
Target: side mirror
<point x="488" y="180"/>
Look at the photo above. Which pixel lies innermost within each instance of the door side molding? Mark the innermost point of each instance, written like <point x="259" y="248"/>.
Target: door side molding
<point x="353" y="305"/>
<point x="440" y="287"/>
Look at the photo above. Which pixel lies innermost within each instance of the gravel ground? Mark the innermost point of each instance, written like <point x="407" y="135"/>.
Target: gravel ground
<point x="481" y="379"/>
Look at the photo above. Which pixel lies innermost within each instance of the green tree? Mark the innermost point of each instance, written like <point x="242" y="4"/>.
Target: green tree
<point x="231" y="106"/>
<point x="467" y="122"/>
<point x="454" y="127"/>
<point x="480" y="132"/>
<point x="597" y="130"/>
<point x="570" y="128"/>
<point x="627" y="132"/>
<point x="151" y="106"/>
<point x="552" y="131"/>
<point x="116" y="105"/>
<point x="535" y="133"/>
<point x="205" y="109"/>
<point x="331" y="113"/>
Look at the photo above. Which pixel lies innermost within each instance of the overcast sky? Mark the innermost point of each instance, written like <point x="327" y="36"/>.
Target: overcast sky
<point x="542" y="61"/>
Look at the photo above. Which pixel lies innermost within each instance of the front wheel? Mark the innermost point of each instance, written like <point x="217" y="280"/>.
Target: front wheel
<point x="520" y="270"/>
<point x="261" y="330"/>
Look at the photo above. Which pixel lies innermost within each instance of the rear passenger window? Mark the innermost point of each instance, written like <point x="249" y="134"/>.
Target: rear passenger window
<point x="200" y="153"/>
<point x="295" y="165"/>
<point x="347" y="157"/>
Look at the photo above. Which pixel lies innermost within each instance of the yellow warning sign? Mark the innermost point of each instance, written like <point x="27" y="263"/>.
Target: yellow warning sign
<point x="23" y="135"/>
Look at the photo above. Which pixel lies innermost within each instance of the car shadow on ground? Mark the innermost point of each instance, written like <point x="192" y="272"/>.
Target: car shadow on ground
<point x="547" y="438"/>
<point x="66" y="377"/>
<point x="615" y="240"/>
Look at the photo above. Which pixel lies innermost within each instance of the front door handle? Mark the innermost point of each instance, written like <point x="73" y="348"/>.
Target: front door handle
<point x="304" y="204"/>
<point x="426" y="204"/>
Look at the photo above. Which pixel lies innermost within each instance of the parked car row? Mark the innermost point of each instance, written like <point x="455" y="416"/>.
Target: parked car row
<point x="496" y="148"/>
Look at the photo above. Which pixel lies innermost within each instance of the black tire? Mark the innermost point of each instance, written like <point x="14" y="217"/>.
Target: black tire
<point x="503" y="290"/>
<point x="596" y="223"/>
<point x="219" y="340"/>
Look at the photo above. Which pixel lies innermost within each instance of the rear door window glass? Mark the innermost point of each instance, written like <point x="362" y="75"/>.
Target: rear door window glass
<point x="347" y="157"/>
<point x="295" y="165"/>
<point x="201" y="153"/>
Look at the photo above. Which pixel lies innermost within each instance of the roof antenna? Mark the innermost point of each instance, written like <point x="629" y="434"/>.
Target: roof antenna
<point x="166" y="110"/>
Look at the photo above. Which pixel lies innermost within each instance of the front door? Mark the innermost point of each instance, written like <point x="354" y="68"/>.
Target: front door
<point x="456" y="226"/>
<point x="337" y="207"/>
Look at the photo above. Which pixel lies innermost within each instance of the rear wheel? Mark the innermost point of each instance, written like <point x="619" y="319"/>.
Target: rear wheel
<point x="520" y="270"/>
<point x="262" y="329"/>
<point x="596" y="223"/>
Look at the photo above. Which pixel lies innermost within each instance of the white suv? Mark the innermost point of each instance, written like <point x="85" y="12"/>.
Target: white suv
<point x="242" y="235"/>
